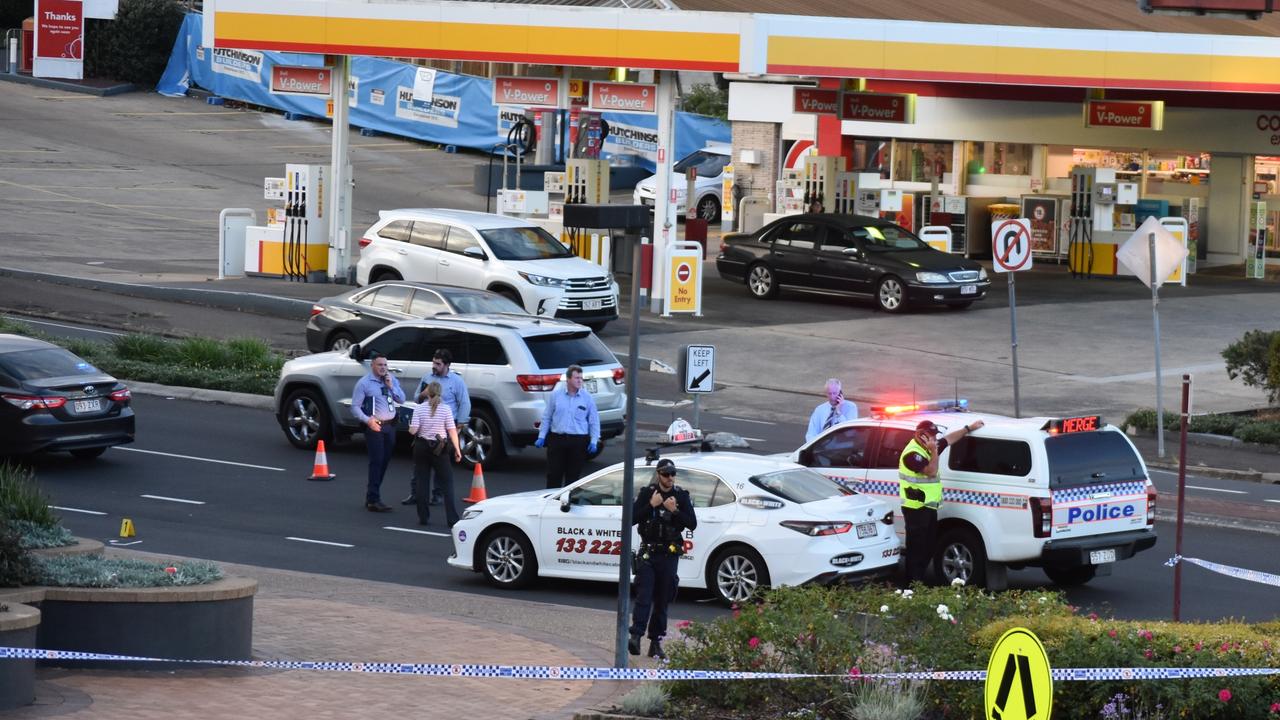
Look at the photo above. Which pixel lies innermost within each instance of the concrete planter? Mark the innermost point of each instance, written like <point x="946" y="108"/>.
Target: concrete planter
<point x="18" y="677"/>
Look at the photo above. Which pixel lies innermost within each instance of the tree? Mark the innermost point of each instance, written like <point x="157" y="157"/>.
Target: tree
<point x="706" y="99"/>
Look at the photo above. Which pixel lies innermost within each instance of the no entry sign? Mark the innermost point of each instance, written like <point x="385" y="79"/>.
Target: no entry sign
<point x="1011" y="245"/>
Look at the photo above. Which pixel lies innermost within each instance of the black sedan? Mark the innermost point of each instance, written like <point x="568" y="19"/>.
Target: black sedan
<point x="337" y="322"/>
<point x="850" y="254"/>
<point x="51" y="399"/>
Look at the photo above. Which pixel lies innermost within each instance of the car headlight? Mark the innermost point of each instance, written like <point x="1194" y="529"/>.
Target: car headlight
<point x="931" y="277"/>
<point x="611" y="279"/>
<point x="982" y="273"/>
<point x="471" y="513"/>
<point x="543" y="280"/>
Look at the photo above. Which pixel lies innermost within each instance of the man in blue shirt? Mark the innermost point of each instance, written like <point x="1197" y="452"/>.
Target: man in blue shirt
<point x="570" y="429"/>
<point x="453" y="392"/>
<point x="374" y="404"/>
<point x="832" y="412"/>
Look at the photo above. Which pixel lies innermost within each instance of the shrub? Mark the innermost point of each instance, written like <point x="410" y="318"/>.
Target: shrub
<point x="1251" y="359"/>
<point x="143" y="348"/>
<point x="1267" y="432"/>
<point x="16" y="567"/>
<point x="21" y="498"/>
<point x="252" y="354"/>
<point x="43" y="536"/>
<point x="1215" y="424"/>
<point x="96" y="571"/>
<point x="203" y="353"/>
<point x="649" y="699"/>
<point x="707" y="99"/>
<point x="136" y="45"/>
<point x="1144" y="420"/>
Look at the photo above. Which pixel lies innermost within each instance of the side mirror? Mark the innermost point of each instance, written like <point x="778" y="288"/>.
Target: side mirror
<point x="851" y="252"/>
<point x="564" y="504"/>
<point x="354" y="353"/>
<point x="475" y="252"/>
<point x="806" y="457"/>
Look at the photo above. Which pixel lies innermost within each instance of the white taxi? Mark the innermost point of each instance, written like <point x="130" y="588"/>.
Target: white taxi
<point x="1070" y="495"/>
<point x="761" y="521"/>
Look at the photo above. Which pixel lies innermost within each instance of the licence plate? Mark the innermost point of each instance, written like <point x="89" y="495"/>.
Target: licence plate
<point x="1100" y="557"/>
<point x="866" y="530"/>
<point x="592" y="386"/>
<point x="87" y="406"/>
<point x="968" y="289"/>
<point x="592" y="304"/>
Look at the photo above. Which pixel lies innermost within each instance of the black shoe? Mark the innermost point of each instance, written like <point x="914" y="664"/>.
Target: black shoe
<point x="411" y="500"/>
<point x="655" y="650"/>
<point x="436" y="499"/>
<point x="633" y="645"/>
<point x="376" y="507"/>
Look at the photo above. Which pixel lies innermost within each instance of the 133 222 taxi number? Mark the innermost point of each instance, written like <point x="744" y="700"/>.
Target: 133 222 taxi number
<point x="589" y="547"/>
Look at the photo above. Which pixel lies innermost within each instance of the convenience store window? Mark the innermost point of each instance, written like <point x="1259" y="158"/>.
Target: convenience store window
<point x="871" y="155"/>
<point x="921" y="161"/>
<point x="999" y="158"/>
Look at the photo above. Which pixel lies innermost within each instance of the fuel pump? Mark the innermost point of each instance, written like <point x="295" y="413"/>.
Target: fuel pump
<point x="295" y="242"/>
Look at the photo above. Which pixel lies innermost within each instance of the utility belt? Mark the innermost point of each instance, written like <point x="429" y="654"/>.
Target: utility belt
<point x="657" y="549"/>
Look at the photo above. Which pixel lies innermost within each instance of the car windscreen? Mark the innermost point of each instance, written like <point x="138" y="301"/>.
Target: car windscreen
<point x="799" y="485"/>
<point x="1084" y="458"/>
<point x="484" y="304"/>
<point x="708" y="164"/>
<point x="888" y="238"/>
<point x="524" y="243"/>
<point x="42" y="363"/>
<point x="556" y="352"/>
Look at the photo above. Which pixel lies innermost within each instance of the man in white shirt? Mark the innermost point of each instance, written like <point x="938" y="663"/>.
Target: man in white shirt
<point x="832" y="412"/>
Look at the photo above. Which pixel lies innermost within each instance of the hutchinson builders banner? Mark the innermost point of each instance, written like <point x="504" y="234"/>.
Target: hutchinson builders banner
<point x="381" y="97"/>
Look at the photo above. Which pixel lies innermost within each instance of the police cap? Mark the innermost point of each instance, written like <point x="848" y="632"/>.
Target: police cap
<point x="666" y="467"/>
<point x="926" y="427"/>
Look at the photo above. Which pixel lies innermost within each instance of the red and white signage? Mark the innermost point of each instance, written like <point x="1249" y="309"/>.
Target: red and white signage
<point x="1137" y="114"/>
<point x="623" y="97"/>
<point x="878" y="107"/>
<point x="820" y="101"/>
<point x="293" y="80"/>
<point x="59" y="47"/>
<point x="526" y="91"/>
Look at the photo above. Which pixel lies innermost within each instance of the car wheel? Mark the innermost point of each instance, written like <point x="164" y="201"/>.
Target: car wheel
<point x="385" y="275"/>
<point x="761" y="282"/>
<point x="341" y="341"/>
<point x="1071" y="576"/>
<point x="508" y="560"/>
<point x="709" y="209"/>
<point x="87" y="453"/>
<point x="891" y="294"/>
<point x="959" y="306"/>
<point x="960" y="554"/>
<point x="511" y="295"/>
<point x="306" y="419"/>
<point x="737" y="574"/>
<point x="482" y="442"/>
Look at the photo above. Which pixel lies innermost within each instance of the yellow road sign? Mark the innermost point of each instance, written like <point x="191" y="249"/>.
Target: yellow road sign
<point x="1019" y="684"/>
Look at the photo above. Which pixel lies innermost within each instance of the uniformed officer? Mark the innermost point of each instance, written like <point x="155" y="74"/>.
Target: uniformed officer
<point x="921" y="491"/>
<point x="663" y="511"/>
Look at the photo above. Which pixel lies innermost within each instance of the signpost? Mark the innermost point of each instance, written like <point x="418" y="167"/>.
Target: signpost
<point x="697" y="373"/>
<point x="1011" y="249"/>
<point x="59" y="36"/>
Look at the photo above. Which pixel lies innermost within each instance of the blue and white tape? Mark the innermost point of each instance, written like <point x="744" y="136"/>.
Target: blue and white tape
<point x="563" y="672"/>
<point x="1235" y="572"/>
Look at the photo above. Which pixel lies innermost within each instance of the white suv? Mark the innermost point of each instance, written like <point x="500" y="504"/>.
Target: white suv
<point x="508" y="256"/>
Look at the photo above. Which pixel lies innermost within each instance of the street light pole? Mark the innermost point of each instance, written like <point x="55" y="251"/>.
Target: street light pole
<point x="629" y="463"/>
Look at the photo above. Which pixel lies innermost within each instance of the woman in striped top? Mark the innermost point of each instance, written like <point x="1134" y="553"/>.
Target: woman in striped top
<point x="432" y="424"/>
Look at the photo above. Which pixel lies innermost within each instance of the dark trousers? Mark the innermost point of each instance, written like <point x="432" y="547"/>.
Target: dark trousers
<point x="922" y="531"/>
<point x="566" y="454"/>
<point x="656" y="583"/>
<point x="380" y="445"/>
<point x="426" y="465"/>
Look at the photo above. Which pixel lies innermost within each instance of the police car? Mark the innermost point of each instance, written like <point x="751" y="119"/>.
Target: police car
<point x="761" y="521"/>
<point x="1070" y="495"/>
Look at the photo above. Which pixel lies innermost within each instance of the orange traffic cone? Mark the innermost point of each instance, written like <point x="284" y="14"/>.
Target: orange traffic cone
<point x="321" y="471"/>
<point x="477" y="487"/>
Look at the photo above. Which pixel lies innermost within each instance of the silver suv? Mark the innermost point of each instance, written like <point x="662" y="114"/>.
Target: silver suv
<point x="510" y="364"/>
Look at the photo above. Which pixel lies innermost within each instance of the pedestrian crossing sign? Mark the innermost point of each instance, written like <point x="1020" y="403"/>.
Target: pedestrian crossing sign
<point x="1019" y="682"/>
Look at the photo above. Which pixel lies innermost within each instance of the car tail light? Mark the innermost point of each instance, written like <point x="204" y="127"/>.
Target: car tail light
<point x="123" y="395"/>
<point x="888" y="518"/>
<point x="724" y="246"/>
<point x="365" y="240"/>
<point x="35" y="402"/>
<point x="619" y="375"/>
<point x="1152" y="495"/>
<point x="538" y="383"/>
<point x="817" y="528"/>
<point x="1041" y="517"/>
<point x="316" y="310"/>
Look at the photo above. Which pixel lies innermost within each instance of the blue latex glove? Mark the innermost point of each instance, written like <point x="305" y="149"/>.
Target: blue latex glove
<point x="540" y="442"/>
<point x="591" y="447"/>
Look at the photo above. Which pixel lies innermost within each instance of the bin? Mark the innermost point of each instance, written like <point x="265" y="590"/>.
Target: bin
<point x="27" y="52"/>
<point x="1004" y="211"/>
<point x="695" y="230"/>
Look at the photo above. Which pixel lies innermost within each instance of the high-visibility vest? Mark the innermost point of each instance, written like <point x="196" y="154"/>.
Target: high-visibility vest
<point x="910" y="479"/>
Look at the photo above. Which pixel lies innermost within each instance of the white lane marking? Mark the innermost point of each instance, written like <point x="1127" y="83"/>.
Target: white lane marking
<point x="71" y="509"/>
<point x="416" y="532"/>
<point x="738" y="419"/>
<point x="60" y="325"/>
<point x="193" y="457"/>
<point x="320" y="542"/>
<point x="1233" y="492"/>
<point x="117" y="543"/>
<point x="1274" y="501"/>
<point x="751" y="439"/>
<point x="664" y="403"/>
<point x="173" y="499"/>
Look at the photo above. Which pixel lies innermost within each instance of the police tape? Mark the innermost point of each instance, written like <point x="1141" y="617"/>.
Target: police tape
<point x="562" y="672"/>
<point x="1235" y="572"/>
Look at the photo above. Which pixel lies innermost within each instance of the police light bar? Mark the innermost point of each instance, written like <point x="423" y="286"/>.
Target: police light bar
<point x="949" y="405"/>
<point x="1084" y="423"/>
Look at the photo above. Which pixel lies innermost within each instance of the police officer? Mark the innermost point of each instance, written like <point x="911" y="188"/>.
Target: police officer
<point x="663" y="511"/>
<point x="921" y="491"/>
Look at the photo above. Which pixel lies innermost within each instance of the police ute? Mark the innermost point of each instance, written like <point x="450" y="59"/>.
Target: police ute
<point x="761" y="521"/>
<point x="1070" y="495"/>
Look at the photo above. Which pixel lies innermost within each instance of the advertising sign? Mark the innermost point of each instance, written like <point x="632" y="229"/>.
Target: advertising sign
<point x="1137" y="114"/>
<point x="1191" y="211"/>
<point x="526" y="91"/>
<point x="59" y="46"/>
<point x="1043" y="214"/>
<point x="623" y="97"/>
<point x="442" y="110"/>
<point x="242" y="64"/>
<point x="424" y="88"/>
<point x="821" y="101"/>
<point x="878" y="107"/>
<point x="293" y="80"/>
<point x="726" y="194"/>
<point x="1255" y="262"/>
